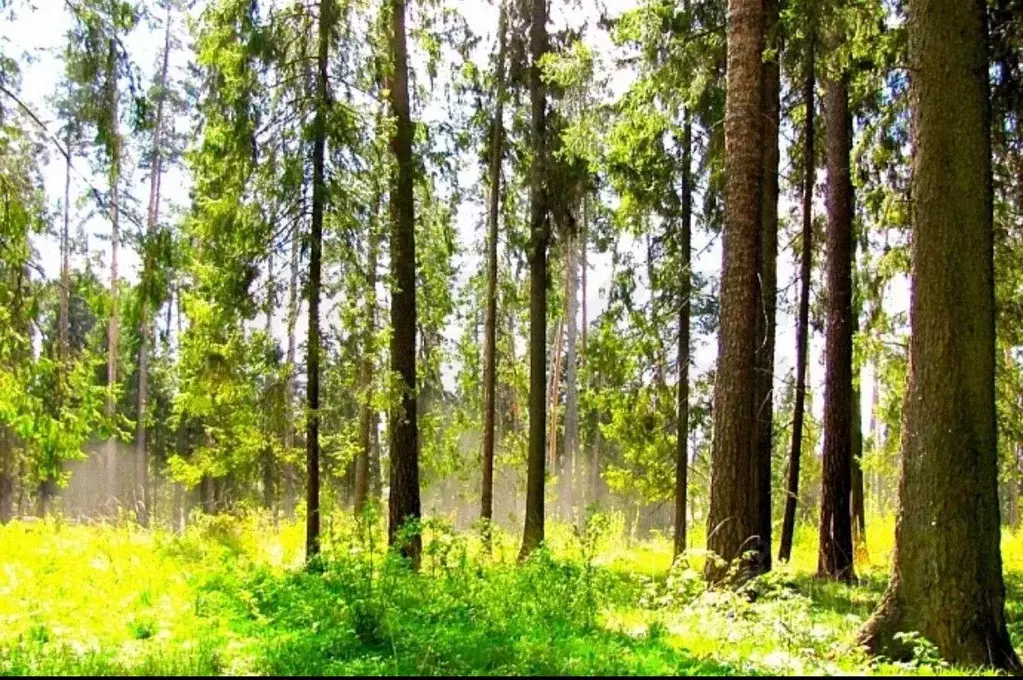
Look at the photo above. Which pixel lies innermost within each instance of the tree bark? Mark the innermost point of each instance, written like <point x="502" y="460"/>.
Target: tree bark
<point x="367" y="413"/>
<point x="947" y="569"/>
<point x="145" y="320"/>
<point x="803" y="319"/>
<point x="312" y="443"/>
<point x="571" y="448"/>
<point x="732" y="525"/>
<point x="533" y="531"/>
<point x="113" y="331"/>
<point x="404" y="503"/>
<point x="835" y="554"/>
<point x="490" y="329"/>
<point x="288" y="471"/>
<point x="684" y="306"/>
<point x="766" y="319"/>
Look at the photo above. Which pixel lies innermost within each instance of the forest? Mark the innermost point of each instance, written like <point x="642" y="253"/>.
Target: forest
<point x="511" y="337"/>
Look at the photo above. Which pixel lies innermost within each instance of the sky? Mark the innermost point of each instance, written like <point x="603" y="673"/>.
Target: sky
<point x="37" y="33"/>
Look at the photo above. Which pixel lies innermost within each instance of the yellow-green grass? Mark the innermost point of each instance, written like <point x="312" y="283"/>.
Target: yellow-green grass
<point x="231" y="596"/>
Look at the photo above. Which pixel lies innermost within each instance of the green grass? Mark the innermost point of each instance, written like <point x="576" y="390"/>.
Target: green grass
<point x="231" y="596"/>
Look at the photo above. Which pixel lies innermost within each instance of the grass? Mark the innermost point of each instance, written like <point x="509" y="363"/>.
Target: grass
<point x="230" y="596"/>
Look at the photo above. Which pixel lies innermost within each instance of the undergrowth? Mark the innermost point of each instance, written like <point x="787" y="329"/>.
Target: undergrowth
<point x="232" y="596"/>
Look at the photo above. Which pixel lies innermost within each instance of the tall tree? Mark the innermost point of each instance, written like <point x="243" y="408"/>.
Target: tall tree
<point x="403" y="503"/>
<point x="685" y="238"/>
<point x="367" y="410"/>
<point x="803" y="318"/>
<point x="533" y="531"/>
<point x="768" y="285"/>
<point x="490" y="324"/>
<point x="946" y="579"/>
<point x="312" y="444"/>
<point x="835" y="555"/>
<point x="148" y="275"/>
<point x="732" y="525"/>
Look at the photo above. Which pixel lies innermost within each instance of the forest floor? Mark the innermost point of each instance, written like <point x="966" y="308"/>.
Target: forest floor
<point x="230" y="597"/>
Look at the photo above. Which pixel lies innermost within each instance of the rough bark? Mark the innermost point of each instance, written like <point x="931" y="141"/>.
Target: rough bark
<point x="767" y="292"/>
<point x="403" y="504"/>
<point x="803" y="318"/>
<point x="732" y="525"/>
<point x="685" y="292"/>
<point x="835" y="554"/>
<point x="946" y="579"/>
<point x="490" y="329"/>
<point x="533" y="530"/>
<point x="312" y="443"/>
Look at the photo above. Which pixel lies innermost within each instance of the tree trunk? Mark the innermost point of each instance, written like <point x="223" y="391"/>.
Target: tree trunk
<point x="145" y="320"/>
<point x="947" y="569"/>
<point x="802" y="323"/>
<point x="404" y="503"/>
<point x="288" y="472"/>
<point x="533" y="531"/>
<point x="859" y="511"/>
<point x="113" y="331"/>
<point x="571" y="448"/>
<point x="490" y="329"/>
<point x="553" y="394"/>
<point x="1014" y="489"/>
<point x="835" y="556"/>
<point x="367" y="413"/>
<point x="312" y="443"/>
<point x="732" y="524"/>
<point x="685" y="293"/>
<point x="767" y="291"/>
<point x="47" y="487"/>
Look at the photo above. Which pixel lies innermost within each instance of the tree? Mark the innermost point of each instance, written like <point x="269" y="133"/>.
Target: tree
<point x="767" y="290"/>
<point x="149" y="294"/>
<point x="732" y="524"/>
<point x="403" y="503"/>
<point x="312" y="444"/>
<point x="803" y="319"/>
<point x="685" y="298"/>
<point x="533" y="531"/>
<point x="835" y="556"/>
<point x="490" y="328"/>
<point x="946" y="579"/>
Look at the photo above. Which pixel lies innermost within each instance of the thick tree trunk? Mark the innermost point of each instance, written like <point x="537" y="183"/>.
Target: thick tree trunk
<point x="145" y="321"/>
<point x="312" y="442"/>
<point x="490" y="330"/>
<point x="802" y="323"/>
<point x="685" y="293"/>
<point x="732" y="526"/>
<point x="835" y="555"/>
<point x="947" y="569"/>
<point x="767" y="291"/>
<point x="533" y="531"/>
<point x="403" y="504"/>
